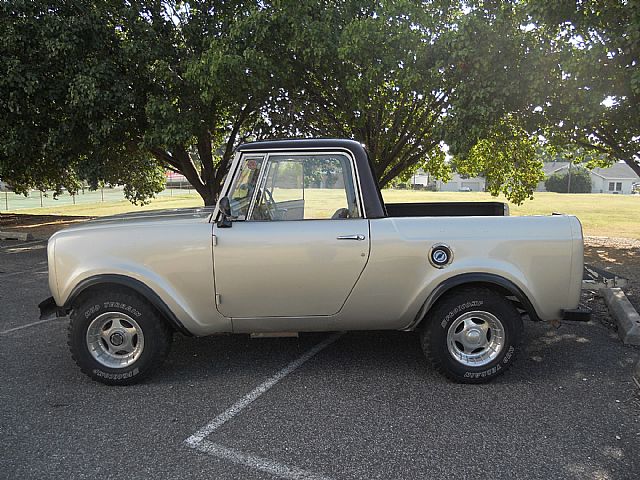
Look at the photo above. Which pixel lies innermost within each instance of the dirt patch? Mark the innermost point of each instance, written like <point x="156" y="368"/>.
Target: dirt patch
<point x="40" y="226"/>
<point x="599" y="310"/>
<point x="620" y="256"/>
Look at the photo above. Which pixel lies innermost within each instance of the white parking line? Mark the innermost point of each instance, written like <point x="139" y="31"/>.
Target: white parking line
<point x="12" y="274"/>
<point x="24" y="244"/>
<point x="259" y="463"/>
<point x="4" y="332"/>
<point x="198" y="442"/>
<point x="26" y="270"/>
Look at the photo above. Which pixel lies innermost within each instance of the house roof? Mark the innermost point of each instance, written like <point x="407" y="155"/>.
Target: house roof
<point x="617" y="171"/>
<point x="552" y="167"/>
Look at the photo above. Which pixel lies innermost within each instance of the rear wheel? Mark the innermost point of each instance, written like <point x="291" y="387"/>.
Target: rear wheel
<point x="116" y="337"/>
<point x="472" y="335"/>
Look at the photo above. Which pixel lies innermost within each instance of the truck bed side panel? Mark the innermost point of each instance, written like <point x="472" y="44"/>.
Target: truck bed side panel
<point x="535" y="253"/>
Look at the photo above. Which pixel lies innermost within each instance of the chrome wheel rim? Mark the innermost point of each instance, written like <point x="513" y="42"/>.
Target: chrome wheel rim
<point x="115" y="340"/>
<point x="475" y="338"/>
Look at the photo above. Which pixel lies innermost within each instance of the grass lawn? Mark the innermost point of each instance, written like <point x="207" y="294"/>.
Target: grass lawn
<point x="603" y="215"/>
<point x="600" y="214"/>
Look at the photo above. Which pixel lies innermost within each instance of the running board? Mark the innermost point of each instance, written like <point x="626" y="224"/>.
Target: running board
<point x="274" y="334"/>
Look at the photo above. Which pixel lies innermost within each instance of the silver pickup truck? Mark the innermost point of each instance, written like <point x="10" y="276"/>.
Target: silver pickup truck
<point x="302" y="241"/>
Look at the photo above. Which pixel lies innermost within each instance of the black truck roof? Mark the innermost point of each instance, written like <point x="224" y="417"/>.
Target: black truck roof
<point x="372" y="198"/>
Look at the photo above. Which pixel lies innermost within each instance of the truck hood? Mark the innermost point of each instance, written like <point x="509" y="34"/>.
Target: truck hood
<point x="149" y="216"/>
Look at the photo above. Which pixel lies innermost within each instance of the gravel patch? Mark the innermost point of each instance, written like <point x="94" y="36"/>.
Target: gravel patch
<point x="620" y="256"/>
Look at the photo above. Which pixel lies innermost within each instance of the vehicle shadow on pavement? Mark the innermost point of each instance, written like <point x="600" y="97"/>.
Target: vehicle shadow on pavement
<point x="40" y="226"/>
<point x="548" y="354"/>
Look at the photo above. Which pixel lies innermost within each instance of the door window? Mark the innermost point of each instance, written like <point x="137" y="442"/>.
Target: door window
<point x="306" y="187"/>
<point x="244" y="186"/>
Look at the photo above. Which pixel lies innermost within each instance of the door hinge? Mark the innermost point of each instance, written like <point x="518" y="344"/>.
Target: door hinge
<point x="218" y="299"/>
<point x="214" y="240"/>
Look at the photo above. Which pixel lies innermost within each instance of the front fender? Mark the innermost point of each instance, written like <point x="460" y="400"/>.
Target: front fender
<point x="132" y="284"/>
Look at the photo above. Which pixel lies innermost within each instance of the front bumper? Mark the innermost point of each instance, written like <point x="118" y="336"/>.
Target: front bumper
<point x="49" y="309"/>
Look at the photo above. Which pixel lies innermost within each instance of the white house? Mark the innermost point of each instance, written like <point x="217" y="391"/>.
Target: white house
<point x="462" y="184"/>
<point x="618" y="178"/>
<point x="456" y="184"/>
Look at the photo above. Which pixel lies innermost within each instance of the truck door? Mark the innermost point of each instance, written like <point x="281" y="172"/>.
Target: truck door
<point x="299" y="242"/>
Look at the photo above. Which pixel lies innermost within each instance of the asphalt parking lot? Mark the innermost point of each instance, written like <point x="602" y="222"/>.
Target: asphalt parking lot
<point x="351" y="406"/>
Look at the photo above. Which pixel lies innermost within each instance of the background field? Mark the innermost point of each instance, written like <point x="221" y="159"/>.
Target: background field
<point x="601" y="215"/>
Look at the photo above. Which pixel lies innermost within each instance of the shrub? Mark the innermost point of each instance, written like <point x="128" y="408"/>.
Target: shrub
<point x="559" y="182"/>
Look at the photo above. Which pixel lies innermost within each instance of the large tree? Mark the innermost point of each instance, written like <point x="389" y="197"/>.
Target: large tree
<point x="374" y="71"/>
<point x="596" y="99"/>
<point x="405" y="77"/>
<point x="67" y="107"/>
<point x="118" y="91"/>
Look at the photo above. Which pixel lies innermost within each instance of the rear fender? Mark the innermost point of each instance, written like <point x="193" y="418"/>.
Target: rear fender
<point x="488" y="279"/>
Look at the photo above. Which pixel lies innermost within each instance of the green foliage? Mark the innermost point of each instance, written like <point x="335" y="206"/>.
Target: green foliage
<point x="593" y="100"/>
<point x="559" y="182"/>
<point x="508" y="160"/>
<point x="369" y="70"/>
<point x="117" y="91"/>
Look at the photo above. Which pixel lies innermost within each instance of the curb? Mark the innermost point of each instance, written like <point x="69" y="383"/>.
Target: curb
<point x="15" y="236"/>
<point x="626" y="316"/>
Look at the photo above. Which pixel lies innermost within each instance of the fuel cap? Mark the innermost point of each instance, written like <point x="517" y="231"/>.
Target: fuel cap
<point x="440" y="255"/>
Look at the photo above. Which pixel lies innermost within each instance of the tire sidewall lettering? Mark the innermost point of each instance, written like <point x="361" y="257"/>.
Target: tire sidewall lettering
<point x="459" y="309"/>
<point x="116" y="376"/>
<point x="508" y="354"/>
<point x="486" y="373"/>
<point x="91" y="311"/>
<point x="493" y="370"/>
<point x="121" y="306"/>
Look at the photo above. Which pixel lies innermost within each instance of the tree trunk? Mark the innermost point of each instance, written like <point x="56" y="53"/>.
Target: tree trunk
<point x="210" y="198"/>
<point x="207" y="183"/>
<point x="634" y="165"/>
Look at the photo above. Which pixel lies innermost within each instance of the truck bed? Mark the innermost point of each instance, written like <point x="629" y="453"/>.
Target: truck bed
<point x="447" y="209"/>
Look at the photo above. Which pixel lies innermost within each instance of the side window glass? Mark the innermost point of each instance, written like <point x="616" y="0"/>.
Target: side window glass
<point x="306" y="187"/>
<point x="241" y="191"/>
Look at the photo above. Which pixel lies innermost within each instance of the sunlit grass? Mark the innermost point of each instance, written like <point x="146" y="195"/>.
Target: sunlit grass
<point x="114" y="207"/>
<point x="600" y="214"/>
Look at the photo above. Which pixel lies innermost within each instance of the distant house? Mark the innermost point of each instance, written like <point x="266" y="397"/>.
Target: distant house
<point x="3" y="186"/>
<point x="456" y="184"/>
<point x="618" y="178"/>
<point x="176" y="180"/>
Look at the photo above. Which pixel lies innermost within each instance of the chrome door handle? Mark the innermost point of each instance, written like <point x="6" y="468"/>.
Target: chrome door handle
<point x="351" y="237"/>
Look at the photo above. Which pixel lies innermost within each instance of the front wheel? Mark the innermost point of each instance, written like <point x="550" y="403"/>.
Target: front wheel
<point x="117" y="338"/>
<point x="472" y="335"/>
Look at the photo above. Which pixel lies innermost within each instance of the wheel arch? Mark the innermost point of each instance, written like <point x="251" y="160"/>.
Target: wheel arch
<point x="101" y="281"/>
<point x="492" y="281"/>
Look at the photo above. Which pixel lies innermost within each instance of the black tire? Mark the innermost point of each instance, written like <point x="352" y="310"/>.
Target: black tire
<point x="132" y="314"/>
<point x="447" y="355"/>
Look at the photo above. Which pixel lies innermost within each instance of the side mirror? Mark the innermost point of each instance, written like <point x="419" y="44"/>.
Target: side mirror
<point x="225" y="211"/>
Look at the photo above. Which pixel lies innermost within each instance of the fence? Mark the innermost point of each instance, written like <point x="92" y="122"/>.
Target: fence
<point x="10" y="201"/>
